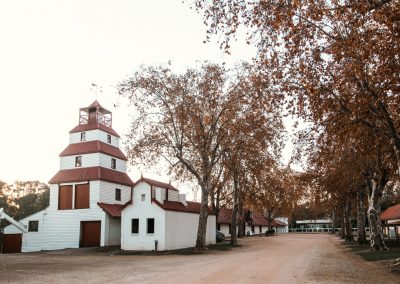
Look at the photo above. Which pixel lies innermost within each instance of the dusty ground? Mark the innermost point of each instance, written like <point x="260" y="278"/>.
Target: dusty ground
<point x="292" y="258"/>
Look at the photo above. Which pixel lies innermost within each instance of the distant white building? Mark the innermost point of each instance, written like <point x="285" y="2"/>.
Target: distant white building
<point x="314" y="224"/>
<point x="93" y="202"/>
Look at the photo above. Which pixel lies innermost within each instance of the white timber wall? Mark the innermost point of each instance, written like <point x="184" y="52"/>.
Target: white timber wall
<point x="31" y="241"/>
<point x="107" y="192"/>
<point x="181" y="229"/>
<point x="112" y="232"/>
<point x="224" y="228"/>
<point x="59" y="229"/>
<point x="92" y="160"/>
<point x="142" y="210"/>
<point x="62" y="227"/>
<point x="173" y="195"/>
<point x="159" y="194"/>
<point x="93" y="135"/>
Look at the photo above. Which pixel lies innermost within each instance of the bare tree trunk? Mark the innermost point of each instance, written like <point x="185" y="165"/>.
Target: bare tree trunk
<point x="202" y="227"/>
<point x="347" y="223"/>
<point x="376" y="185"/>
<point x="333" y="222"/>
<point x="342" y="232"/>
<point x="269" y="219"/>
<point x="361" y="234"/>
<point x="235" y="209"/>
<point x="240" y="232"/>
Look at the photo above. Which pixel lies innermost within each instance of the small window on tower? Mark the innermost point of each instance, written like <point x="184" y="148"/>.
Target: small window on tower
<point x="113" y="163"/>
<point x="83" y="136"/>
<point x="118" y="194"/>
<point x="78" y="161"/>
<point x="108" y="138"/>
<point x="143" y="197"/>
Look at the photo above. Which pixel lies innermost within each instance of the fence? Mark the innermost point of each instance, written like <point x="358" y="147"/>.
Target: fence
<point x="322" y="230"/>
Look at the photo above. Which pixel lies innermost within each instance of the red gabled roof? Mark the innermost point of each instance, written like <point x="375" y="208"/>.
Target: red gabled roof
<point x="93" y="126"/>
<point x="114" y="210"/>
<point x="259" y="220"/>
<point x="192" y="207"/>
<point x="224" y="216"/>
<point x="391" y="213"/>
<point x="279" y="223"/>
<point x="156" y="183"/>
<point x="91" y="173"/>
<point x="93" y="147"/>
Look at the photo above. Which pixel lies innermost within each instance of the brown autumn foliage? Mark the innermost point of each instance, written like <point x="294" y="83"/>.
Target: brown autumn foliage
<point x="337" y="65"/>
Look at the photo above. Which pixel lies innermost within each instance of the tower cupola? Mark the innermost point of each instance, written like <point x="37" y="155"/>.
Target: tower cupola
<point x="94" y="114"/>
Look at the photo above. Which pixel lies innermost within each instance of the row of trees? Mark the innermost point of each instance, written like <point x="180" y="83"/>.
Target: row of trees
<point x="217" y="127"/>
<point x="336" y="65"/>
<point x="23" y="198"/>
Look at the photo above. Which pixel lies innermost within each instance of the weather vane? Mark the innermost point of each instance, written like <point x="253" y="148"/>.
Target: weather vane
<point x="96" y="89"/>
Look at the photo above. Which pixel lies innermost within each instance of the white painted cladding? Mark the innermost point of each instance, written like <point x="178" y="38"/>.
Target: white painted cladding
<point x="172" y="230"/>
<point x="173" y="195"/>
<point x="59" y="229"/>
<point x="107" y="192"/>
<point x="142" y="210"/>
<point x="31" y="241"/>
<point x="181" y="229"/>
<point x="224" y="228"/>
<point x="92" y="160"/>
<point x="93" y="135"/>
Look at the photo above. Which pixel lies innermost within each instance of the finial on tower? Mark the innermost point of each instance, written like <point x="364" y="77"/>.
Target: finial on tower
<point x="96" y="89"/>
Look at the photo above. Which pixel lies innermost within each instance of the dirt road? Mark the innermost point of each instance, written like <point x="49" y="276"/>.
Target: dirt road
<point x="292" y="258"/>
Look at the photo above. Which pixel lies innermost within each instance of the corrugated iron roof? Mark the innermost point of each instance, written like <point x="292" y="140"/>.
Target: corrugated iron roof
<point x="192" y="207"/>
<point x="224" y="216"/>
<point x="259" y="220"/>
<point x="93" y="126"/>
<point x="279" y="223"/>
<point x="113" y="210"/>
<point x="93" y="147"/>
<point x="91" y="173"/>
<point x="391" y="213"/>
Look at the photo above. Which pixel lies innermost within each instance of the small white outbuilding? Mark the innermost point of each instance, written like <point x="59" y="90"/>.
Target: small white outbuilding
<point x="159" y="218"/>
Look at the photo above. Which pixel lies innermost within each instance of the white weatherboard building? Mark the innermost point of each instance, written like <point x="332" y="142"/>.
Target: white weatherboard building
<point x="93" y="202"/>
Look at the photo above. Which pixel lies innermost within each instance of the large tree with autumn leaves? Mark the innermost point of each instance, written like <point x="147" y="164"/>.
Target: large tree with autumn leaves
<point x="199" y="121"/>
<point x="336" y="63"/>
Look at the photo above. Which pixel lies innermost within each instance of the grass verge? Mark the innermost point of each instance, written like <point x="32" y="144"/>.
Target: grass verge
<point x="386" y="256"/>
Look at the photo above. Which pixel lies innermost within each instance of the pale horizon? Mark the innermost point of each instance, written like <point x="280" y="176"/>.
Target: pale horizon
<point x="52" y="52"/>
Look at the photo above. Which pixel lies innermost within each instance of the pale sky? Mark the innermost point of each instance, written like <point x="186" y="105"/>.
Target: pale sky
<point x="51" y="52"/>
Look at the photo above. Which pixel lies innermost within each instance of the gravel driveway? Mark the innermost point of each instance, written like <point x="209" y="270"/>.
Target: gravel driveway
<point x="290" y="258"/>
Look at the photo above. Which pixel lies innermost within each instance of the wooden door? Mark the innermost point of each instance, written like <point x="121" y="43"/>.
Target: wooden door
<point x="90" y="233"/>
<point x="12" y="243"/>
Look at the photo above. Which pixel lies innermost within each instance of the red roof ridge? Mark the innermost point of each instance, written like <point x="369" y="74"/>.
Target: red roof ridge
<point x="89" y="174"/>
<point x="156" y="183"/>
<point x="391" y="213"/>
<point x="94" y="146"/>
<point x="113" y="210"/>
<point x="93" y="126"/>
<point x="177" y="206"/>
